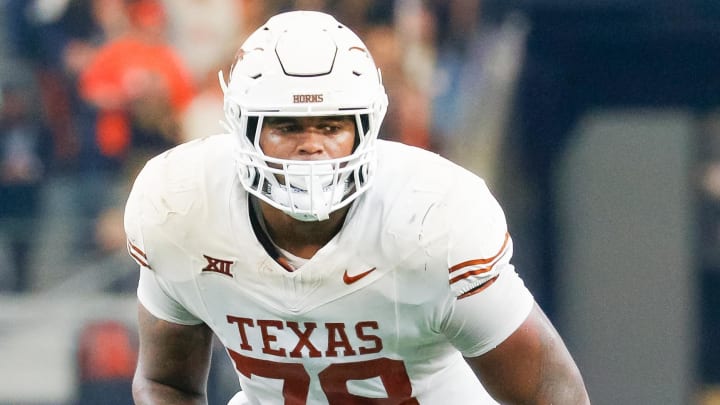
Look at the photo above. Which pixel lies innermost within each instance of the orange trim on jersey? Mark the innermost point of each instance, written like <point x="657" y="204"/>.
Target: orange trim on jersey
<point x="285" y="263"/>
<point x="475" y="262"/>
<point x="471" y="273"/>
<point x="137" y="249"/>
<point x="137" y="254"/>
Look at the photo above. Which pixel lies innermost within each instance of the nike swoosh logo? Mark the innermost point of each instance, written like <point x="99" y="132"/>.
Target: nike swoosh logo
<point x="348" y="279"/>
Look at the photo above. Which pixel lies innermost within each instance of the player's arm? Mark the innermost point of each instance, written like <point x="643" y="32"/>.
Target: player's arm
<point x="173" y="363"/>
<point x="494" y="320"/>
<point x="532" y="366"/>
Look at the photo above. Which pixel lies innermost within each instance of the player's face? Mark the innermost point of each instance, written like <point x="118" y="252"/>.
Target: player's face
<point x="308" y="138"/>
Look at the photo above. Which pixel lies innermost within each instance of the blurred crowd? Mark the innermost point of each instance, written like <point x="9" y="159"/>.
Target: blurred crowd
<point x="96" y="87"/>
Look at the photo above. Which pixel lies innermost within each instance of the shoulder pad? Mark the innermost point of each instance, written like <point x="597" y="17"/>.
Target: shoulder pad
<point x="167" y="200"/>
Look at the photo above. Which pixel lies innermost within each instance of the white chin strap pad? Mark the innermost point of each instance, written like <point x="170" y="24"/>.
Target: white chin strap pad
<point x="319" y="204"/>
<point x="308" y="191"/>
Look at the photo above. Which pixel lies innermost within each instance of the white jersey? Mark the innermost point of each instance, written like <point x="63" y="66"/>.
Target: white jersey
<point x="382" y="314"/>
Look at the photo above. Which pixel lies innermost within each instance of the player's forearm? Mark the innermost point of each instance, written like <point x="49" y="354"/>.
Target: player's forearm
<point x="557" y="384"/>
<point x="147" y="392"/>
<point x="558" y="378"/>
<point x="532" y="367"/>
<point x="562" y="387"/>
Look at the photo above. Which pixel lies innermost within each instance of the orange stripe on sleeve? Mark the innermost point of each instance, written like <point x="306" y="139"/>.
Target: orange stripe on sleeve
<point x="470" y="274"/>
<point x="137" y="250"/>
<point x="476" y="262"/>
<point x="137" y="254"/>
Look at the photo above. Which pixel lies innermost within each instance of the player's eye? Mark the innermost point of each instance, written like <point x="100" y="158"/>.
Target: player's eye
<point x="288" y="128"/>
<point x="333" y="126"/>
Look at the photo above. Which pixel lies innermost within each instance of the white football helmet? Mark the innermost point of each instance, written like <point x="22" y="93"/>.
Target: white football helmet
<point x="299" y="64"/>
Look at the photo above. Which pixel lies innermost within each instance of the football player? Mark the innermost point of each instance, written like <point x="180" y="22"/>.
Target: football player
<point x="334" y="267"/>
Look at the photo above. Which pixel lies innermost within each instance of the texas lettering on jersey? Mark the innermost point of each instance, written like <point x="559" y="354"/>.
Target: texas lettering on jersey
<point x="334" y="378"/>
<point x="304" y="345"/>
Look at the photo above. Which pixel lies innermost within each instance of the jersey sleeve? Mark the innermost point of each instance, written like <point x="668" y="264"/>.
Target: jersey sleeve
<point x="479" y="245"/>
<point x="164" y="189"/>
<point x="480" y="322"/>
<point x="489" y="300"/>
<point x="142" y="208"/>
<point x="156" y="296"/>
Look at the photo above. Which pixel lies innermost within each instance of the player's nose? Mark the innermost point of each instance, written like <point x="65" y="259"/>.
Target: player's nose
<point x="311" y="143"/>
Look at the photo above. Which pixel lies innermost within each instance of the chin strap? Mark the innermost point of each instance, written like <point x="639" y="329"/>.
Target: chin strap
<point x="315" y="203"/>
<point x="318" y="203"/>
<point x="307" y="192"/>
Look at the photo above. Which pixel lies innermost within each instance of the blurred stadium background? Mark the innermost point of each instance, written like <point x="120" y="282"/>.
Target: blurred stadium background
<point x="596" y="123"/>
